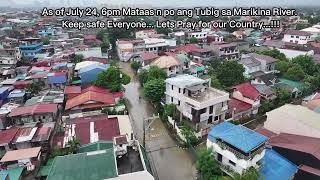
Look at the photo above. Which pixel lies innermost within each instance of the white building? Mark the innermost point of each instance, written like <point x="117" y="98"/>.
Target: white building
<point x="314" y="30"/>
<point x="296" y="37"/>
<point x="146" y="33"/>
<point x="197" y="101"/>
<point x="257" y="62"/>
<point x="236" y="147"/>
<point x="157" y="44"/>
<point x="201" y="36"/>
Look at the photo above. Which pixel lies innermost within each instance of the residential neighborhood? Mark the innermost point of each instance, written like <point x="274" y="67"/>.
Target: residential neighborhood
<point x="158" y="103"/>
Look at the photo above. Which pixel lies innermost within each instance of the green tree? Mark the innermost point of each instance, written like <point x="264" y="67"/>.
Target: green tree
<point x="306" y="63"/>
<point x="302" y="26"/>
<point x="250" y="174"/>
<point x="194" y="40"/>
<point x="275" y="53"/>
<point x="77" y="58"/>
<point x="215" y="83"/>
<point x="45" y="41"/>
<point x="154" y="72"/>
<point x="112" y="78"/>
<point x="295" y="72"/>
<point x="104" y="46"/>
<point x="313" y="82"/>
<point x="282" y="66"/>
<point x="135" y="66"/>
<point x="283" y="97"/>
<point x="73" y="145"/>
<point x="230" y="73"/>
<point x="33" y="88"/>
<point x="169" y="109"/>
<point x="207" y="166"/>
<point x="189" y="135"/>
<point x="154" y="90"/>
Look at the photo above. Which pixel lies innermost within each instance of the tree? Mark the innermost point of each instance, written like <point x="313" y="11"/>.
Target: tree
<point x="283" y="97"/>
<point x="282" y="66"/>
<point x="215" y="83"/>
<point x="306" y="63"/>
<point x="104" y="46"/>
<point x="275" y="53"/>
<point x="250" y="174"/>
<point x="302" y="26"/>
<point x="77" y="58"/>
<point x="189" y="135"/>
<point x="135" y="66"/>
<point x="207" y="165"/>
<point x="73" y="145"/>
<point x="230" y="73"/>
<point x="295" y="72"/>
<point x="154" y="90"/>
<point x="33" y="88"/>
<point x="112" y="78"/>
<point x="194" y="40"/>
<point x="154" y="72"/>
<point x="45" y="41"/>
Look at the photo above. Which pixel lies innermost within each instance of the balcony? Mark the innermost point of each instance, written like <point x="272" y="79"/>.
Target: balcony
<point x="238" y="154"/>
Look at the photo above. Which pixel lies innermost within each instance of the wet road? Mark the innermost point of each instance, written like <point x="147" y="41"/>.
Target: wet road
<point x="171" y="162"/>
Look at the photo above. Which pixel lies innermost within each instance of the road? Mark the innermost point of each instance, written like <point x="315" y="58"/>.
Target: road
<point x="171" y="162"/>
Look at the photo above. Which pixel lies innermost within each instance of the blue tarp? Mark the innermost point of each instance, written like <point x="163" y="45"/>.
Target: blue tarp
<point x="238" y="136"/>
<point x="59" y="79"/>
<point x="276" y="167"/>
<point x="89" y="73"/>
<point x="4" y="92"/>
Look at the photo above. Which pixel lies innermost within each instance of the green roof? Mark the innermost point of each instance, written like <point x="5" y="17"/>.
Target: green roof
<point x="100" y="145"/>
<point x="292" y="84"/>
<point x="200" y="68"/>
<point x="32" y="101"/>
<point x="84" y="166"/>
<point x="76" y="82"/>
<point x="3" y="175"/>
<point x="44" y="171"/>
<point x="14" y="174"/>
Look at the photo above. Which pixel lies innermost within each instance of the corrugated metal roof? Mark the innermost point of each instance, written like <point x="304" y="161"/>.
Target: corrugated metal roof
<point x="34" y="109"/>
<point x="238" y="136"/>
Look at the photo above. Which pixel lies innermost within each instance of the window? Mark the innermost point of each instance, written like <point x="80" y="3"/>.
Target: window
<point x="171" y="87"/>
<point x="179" y="90"/>
<point x="216" y="118"/>
<point x="297" y="36"/>
<point x="203" y="110"/>
<point x="184" y="90"/>
<point x="211" y="110"/>
<point x="232" y="163"/>
<point x="292" y="36"/>
<point x="178" y="103"/>
<point x="210" y="120"/>
<point x="172" y="99"/>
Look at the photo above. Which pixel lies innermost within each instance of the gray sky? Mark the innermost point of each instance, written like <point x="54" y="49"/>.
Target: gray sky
<point x="180" y="3"/>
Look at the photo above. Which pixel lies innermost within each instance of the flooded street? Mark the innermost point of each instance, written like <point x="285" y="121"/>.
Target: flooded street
<point x="170" y="161"/>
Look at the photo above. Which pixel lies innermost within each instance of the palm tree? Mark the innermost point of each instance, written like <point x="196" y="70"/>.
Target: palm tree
<point x="73" y="145"/>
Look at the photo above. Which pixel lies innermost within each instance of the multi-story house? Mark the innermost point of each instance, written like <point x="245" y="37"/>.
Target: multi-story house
<point x="197" y="101"/>
<point x="245" y="101"/>
<point x="126" y="48"/>
<point x="201" y="36"/>
<point x="257" y="62"/>
<point x="29" y="47"/>
<point x="297" y="37"/>
<point x="227" y="51"/>
<point x="237" y="147"/>
<point x="146" y="33"/>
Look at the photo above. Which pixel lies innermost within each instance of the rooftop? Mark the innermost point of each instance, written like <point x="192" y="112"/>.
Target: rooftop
<point x="6" y="136"/>
<point x="183" y="81"/>
<point x="238" y="136"/>
<point x="276" y="167"/>
<point x="297" y="32"/>
<point x="34" y="109"/>
<point x="20" y="154"/>
<point x="130" y="163"/>
<point x="247" y="90"/>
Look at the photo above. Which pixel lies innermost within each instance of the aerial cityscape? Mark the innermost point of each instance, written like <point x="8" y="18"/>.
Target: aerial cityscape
<point x="159" y="90"/>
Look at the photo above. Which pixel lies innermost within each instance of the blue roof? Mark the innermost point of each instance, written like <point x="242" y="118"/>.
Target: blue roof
<point x="238" y="136"/>
<point x="95" y="67"/>
<point x="276" y="167"/>
<point x="3" y="89"/>
<point x="16" y="93"/>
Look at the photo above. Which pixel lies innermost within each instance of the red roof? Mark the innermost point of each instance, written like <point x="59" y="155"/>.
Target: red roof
<point x="72" y="90"/>
<point x="90" y="37"/>
<point x="248" y="90"/>
<point x="238" y="106"/>
<point x="148" y="56"/>
<point x="95" y="89"/>
<point x="21" y="84"/>
<point x="118" y="94"/>
<point x="97" y="59"/>
<point x="107" y="128"/>
<point x="99" y="100"/>
<point x="35" y="109"/>
<point x="265" y="132"/>
<point x="121" y="140"/>
<point x="309" y="169"/>
<point x="42" y="63"/>
<point x="304" y="144"/>
<point x="191" y="48"/>
<point x="6" y="136"/>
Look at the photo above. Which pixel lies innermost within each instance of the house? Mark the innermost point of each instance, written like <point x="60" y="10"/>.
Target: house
<point x="298" y="120"/>
<point x="170" y="64"/>
<point x="4" y="93"/>
<point x="4" y="111"/>
<point x="197" y="101"/>
<point x="292" y="53"/>
<point x="29" y="158"/>
<point x="101" y="160"/>
<point x="17" y="96"/>
<point x="29" y="47"/>
<point x="23" y="137"/>
<point x="201" y="36"/>
<point x="92" y="40"/>
<point x="265" y="91"/>
<point x="302" y="150"/>
<point x="89" y="73"/>
<point x="57" y="80"/>
<point x="268" y="79"/>
<point x="245" y="101"/>
<point x="194" y="52"/>
<point x="275" y="166"/>
<point x="35" y="113"/>
<point x="146" y="33"/>
<point x="294" y="87"/>
<point x="91" y="129"/>
<point x="257" y="62"/>
<point x="236" y="147"/>
<point x="91" y="98"/>
<point x="89" y="52"/>
<point x="72" y="91"/>
<point x="145" y="58"/>
<point x="314" y="31"/>
<point x="127" y="47"/>
<point x="6" y="138"/>
<point x="227" y="51"/>
<point x="297" y="37"/>
<point x="81" y="65"/>
<point x="157" y="45"/>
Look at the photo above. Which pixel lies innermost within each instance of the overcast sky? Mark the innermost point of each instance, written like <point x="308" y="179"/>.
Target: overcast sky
<point x="180" y="3"/>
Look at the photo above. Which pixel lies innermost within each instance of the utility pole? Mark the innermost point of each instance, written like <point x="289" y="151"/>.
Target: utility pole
<point x="147" y="126"/>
